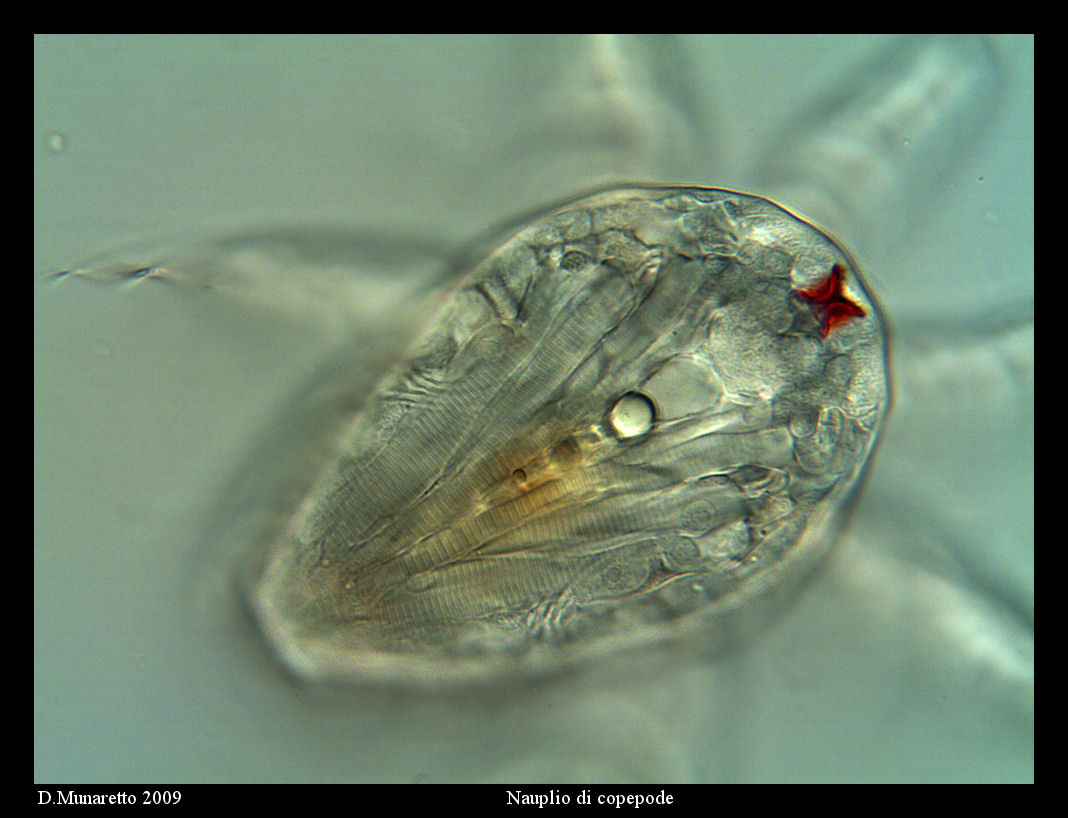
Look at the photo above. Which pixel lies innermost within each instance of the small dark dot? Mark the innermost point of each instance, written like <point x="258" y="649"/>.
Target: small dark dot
<point x="519" y="474"/>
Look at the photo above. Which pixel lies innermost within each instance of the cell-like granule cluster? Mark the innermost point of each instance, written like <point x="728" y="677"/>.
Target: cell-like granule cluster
<point x="639" y="415"/>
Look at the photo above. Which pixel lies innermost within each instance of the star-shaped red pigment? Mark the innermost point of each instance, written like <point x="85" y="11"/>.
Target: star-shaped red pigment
<point x="830" y="304"/>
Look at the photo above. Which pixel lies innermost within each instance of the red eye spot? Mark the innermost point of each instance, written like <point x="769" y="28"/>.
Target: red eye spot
<point x="830" y="305"/>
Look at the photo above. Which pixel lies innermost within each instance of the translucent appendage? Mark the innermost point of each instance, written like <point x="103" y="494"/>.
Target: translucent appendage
<point x="867" y="159"/>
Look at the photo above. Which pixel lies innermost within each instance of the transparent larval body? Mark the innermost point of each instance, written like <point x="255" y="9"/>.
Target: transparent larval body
<point x="634" y="417"/>
<point x="195" y="398"/>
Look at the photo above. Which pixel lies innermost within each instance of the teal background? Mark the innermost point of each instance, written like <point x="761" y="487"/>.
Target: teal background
<point x="909" y="657"/>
